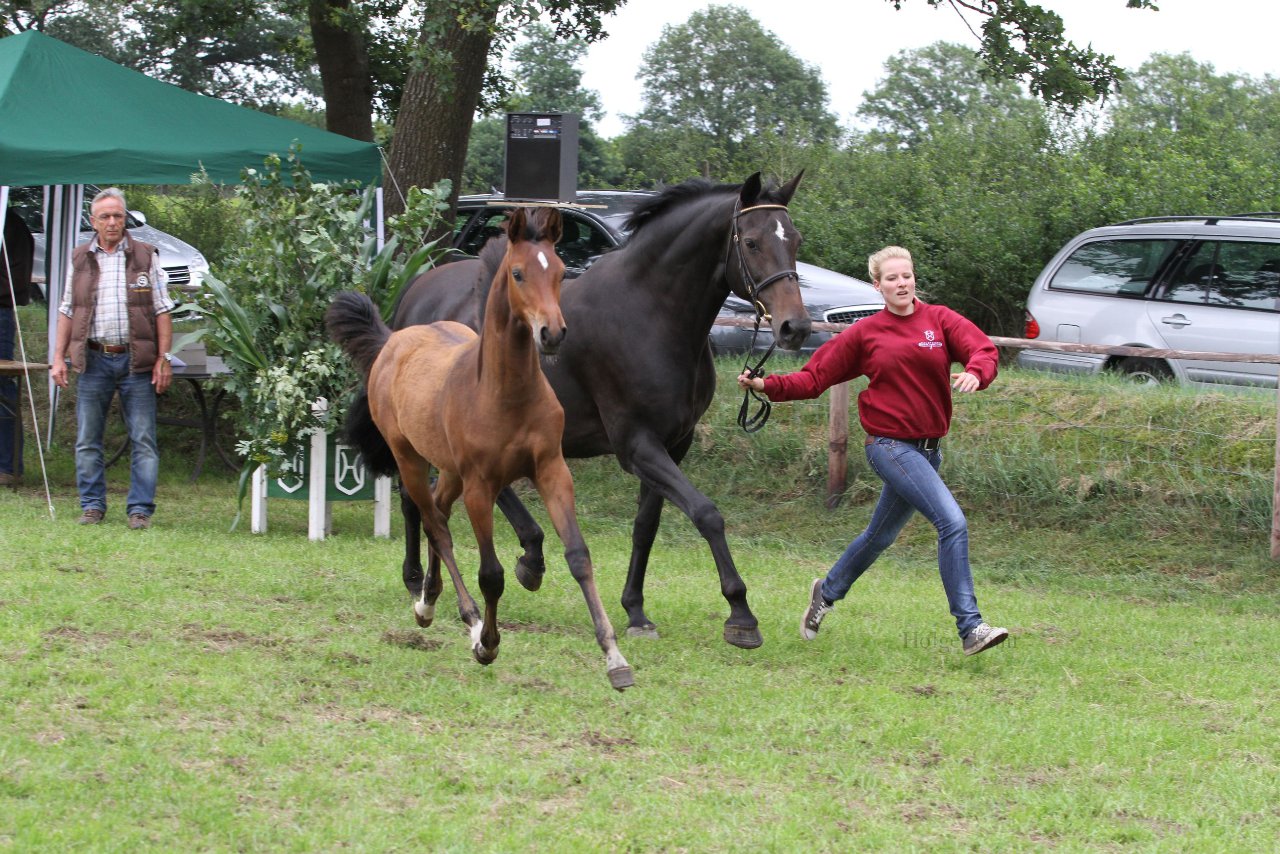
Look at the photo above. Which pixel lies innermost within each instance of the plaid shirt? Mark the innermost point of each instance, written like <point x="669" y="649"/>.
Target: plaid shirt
<point x="110" y="324"/>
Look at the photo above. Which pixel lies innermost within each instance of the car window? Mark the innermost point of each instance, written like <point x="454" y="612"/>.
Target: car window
<point x="489" y="223"/>
<point x="1194" y="273"/>
<point x="1123" y="267"/>
<point x="582" y="243"/>
<point x="1250" y="276"/>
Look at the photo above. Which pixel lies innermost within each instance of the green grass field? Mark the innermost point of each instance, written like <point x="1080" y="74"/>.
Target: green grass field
<point x="190" y="688"/>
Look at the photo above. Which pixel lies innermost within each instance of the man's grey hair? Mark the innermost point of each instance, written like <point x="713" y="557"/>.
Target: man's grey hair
<point x="109" y="193"/>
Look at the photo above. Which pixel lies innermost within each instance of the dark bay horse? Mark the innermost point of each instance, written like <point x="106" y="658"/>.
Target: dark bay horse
<point x="637" y="374"/>
<point x="479" y="410"/>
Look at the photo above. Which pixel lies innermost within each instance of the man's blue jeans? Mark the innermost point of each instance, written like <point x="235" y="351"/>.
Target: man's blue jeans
<point x="104" y="373"/>
<point x="10" y="417"/>
<point x="911" y="483"/>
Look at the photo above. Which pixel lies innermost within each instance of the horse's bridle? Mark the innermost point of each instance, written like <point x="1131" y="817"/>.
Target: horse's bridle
<point x="752" y="423"/>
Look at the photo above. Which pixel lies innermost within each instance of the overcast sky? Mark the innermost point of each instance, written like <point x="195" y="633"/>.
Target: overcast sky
<point x="849" y="40"/>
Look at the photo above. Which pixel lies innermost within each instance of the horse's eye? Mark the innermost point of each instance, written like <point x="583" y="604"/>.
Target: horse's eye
<point x="517" y="274"/>
<point x="751" y="244"/>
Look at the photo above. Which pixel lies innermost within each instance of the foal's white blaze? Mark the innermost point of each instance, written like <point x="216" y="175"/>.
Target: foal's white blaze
<point x="780" y="231"/>
<point x="542" y="259"/>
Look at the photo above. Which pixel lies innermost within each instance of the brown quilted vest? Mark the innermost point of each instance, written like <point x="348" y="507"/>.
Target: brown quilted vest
<point x="142" y="312"/>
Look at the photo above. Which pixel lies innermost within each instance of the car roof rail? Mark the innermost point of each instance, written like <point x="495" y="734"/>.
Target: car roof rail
<point x="1257" y="216"/>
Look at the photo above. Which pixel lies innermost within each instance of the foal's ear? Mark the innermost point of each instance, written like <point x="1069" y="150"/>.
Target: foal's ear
<point x="750" y="190"/>
<point x="516" y="226"/>
<point x="553" y="226"/>
<point x="790" y="189"/>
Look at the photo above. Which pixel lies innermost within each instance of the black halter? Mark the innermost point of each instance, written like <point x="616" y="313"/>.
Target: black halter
<point x="752" y="423"/>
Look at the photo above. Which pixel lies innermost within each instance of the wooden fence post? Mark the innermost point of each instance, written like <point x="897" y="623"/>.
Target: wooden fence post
<point x="1275" y="490"/>
<point x="837" y="445"/>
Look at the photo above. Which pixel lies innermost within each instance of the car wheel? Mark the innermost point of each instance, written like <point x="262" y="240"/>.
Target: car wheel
<point x="1144" y="371"/>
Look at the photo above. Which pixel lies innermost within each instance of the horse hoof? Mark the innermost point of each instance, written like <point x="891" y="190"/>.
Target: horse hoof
<point x="484" y="656"/>
<point x="649" y="631"/>
<point x="743" y="637"/>
<point x="621" y="678"/>
<point x="424" y="614"/>
<point x="530" y="578"/>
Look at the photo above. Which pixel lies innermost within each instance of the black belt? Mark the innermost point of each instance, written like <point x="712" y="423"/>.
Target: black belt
<point x="108" y="348"/>
<point x="926" y="445"/>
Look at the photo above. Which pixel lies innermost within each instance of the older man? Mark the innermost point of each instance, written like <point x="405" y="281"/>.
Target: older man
<point x="115" y="328"/>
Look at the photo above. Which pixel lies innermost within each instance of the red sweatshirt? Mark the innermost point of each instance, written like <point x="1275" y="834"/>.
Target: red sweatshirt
<point x="908" y="361"/>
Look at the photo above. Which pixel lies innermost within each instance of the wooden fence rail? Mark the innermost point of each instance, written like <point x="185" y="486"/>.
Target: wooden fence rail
<point x="838" y="423"/>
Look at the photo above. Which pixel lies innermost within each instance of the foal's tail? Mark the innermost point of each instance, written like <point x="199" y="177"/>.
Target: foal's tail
<point x="355" y="324"/>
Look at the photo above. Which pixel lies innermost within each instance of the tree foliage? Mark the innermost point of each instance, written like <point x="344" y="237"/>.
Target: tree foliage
<point x="924" y="86"/>
<point x="1022" y="40"/>
<point x="713" y="84"/>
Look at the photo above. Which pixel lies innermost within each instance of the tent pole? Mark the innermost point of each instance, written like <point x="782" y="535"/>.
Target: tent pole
<point x="63" y="206"/>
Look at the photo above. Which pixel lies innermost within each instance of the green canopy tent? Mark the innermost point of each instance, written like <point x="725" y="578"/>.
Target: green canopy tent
<point x="68" y="118"/>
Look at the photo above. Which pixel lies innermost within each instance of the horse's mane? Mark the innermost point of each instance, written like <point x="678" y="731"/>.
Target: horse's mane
<point x="673" y="197"/>
<point x="682" y="193"/>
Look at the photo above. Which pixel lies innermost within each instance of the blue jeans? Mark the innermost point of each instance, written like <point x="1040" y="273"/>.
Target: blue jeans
<point x="10" y="417"/>
<point x="104" y="374"/>
<point x="911" y="483"/>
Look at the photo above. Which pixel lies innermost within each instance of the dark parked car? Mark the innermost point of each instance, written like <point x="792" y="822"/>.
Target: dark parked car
<point x="596" y="223"/>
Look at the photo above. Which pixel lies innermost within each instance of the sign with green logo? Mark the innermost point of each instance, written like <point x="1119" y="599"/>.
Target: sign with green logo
<point x="346" y="478"/>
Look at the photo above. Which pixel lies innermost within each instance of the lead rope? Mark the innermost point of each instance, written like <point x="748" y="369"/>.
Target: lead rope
<point x="753" y="423"/>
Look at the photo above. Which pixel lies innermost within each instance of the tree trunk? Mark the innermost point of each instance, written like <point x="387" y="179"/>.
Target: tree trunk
<point x="438" y="105"/>
<point x="344" y="69"/>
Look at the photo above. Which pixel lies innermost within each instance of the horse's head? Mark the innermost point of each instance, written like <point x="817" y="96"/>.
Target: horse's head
<point x="534" y="273"/>
<point x="762" y="259"/>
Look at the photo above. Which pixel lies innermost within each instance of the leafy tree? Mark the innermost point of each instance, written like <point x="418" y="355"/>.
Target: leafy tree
<point x="1022" y="40"/>
<point x="718" y="80"/>
<point x="244" y="51"/>
<point x="924" y="85"/>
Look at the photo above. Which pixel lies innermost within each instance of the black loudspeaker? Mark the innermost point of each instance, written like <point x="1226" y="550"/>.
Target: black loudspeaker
<point x="542" y="157"/>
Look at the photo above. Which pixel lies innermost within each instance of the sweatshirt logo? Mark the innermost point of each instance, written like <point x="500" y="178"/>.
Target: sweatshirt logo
<point x="929" y="343"/>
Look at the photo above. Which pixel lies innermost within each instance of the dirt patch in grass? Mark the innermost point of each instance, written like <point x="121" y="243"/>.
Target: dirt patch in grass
<point x="410" y="639"/>
<point x="225" y="640"/>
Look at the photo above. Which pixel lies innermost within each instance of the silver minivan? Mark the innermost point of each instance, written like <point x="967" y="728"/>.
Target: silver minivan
<point x="1210" y="284"/>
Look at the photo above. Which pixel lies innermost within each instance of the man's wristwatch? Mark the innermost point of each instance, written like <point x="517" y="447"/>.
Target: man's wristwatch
<point x="168" y="357"/>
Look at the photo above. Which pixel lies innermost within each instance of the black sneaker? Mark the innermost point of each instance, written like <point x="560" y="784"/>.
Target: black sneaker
<point x="983" y="637"/>
<point x="818" y="608"/>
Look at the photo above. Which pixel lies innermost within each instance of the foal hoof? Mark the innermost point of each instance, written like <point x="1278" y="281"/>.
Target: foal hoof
<point x="425" y="614"/>
<point x="484" y="656"/>
<point x="621" y="678"/>
<point x="742" y="636"/>
<point x="530" y="577"/>
<point x="648" y="630"/>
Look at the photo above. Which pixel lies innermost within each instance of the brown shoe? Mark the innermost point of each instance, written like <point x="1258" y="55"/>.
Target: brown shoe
<point x="138" y="521"/>
<point x="9" y="479"/>
<point x="92" y="516"/>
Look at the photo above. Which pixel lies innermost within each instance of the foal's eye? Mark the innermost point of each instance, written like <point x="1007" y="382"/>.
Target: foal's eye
<point x="751" y="244"/>
<point x="517" y="274"/>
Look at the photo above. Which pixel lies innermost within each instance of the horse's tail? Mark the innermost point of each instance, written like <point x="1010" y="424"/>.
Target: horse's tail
<point x="355" y="324"/>
<point x="359" y="431"/>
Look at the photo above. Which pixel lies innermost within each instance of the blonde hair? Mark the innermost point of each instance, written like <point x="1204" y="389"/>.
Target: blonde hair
<point x="876" y="260"/>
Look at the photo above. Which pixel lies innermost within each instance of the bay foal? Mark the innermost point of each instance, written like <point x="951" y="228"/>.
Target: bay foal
<point x="478" y="409"/>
